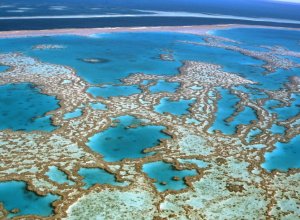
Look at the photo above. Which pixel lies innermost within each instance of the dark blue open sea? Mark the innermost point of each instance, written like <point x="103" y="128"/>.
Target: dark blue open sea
<point x="49" y="14"/>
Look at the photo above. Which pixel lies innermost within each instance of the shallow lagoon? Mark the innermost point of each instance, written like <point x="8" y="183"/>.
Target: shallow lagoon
<point x="285" y="156"/>
<point x="98" y="106"/>
<point x="23" y="107"/>
<point x="124" y="50"/>
<point x="58" y="176"/>
<point x="126" y="140"/>
<point x="14" y="195"/>
<point x="92" y="176"/>
<point x="75" y="114"/>
<point x="164" y="86"/>
<point x="179" y="108"/>
<point x="226" y="108"/>
<point x="120" y="49"/>
<point x="111" y="90"/>
<point x="3" y="68"/>
<point x="164" y="174"/>
<point x="256" y="37"/>
<point x="285" y="112"/>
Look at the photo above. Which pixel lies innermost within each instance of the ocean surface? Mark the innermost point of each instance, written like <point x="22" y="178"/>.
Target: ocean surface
<point x="36" y="15"/>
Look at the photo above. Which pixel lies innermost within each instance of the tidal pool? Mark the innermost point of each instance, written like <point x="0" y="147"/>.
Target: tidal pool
<point x="23" y="107"/>
<point x="285" y="156"/>
<point x="98" y="106"/>
<point x="277" y="129"/>
<point x="75" y="114"/>
<point x="58" y="176"/>
<point x="166" y="176"/>
<point x="92" y="176"/>
<point x="179" y="108"/>
<point x="112" y="90"/>
<point x="15" y="196"/>
<point x="127" y="140"/>
<point x="164" y="86"/>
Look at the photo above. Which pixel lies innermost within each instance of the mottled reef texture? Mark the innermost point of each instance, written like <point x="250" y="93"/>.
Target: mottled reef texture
<point x="232" y="186"/>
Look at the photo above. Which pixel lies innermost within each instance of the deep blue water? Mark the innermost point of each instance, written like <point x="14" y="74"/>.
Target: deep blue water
<point x="163" y="174"/>
<point x="125" y="142"/>
<point x="250" y="9"/>
<point x="14" y="195"/>
<point x="22" y="107"/>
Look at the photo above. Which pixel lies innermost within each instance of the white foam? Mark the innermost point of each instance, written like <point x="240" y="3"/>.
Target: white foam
<point x="149" y="13"/>
<point x="15" y="11"/>
<point x="286" y="1"/>
<point x="58" y="8"/>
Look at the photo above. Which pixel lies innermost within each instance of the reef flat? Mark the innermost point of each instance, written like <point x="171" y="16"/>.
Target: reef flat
<point x="208" y="130"/>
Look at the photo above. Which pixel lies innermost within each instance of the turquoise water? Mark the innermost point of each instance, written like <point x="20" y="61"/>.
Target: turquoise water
<point x="286" y="112"/>
<point x="196" y="87"/>
<point x="92" y="176"/>
<point x="124" y="50"/>
<point x="252" y="134"/>
<point x="22" y="107"/>
<point x="225" y="109"/>
<point x="277" y="129"/>
<point x="145" y="82"/>
<point x="110" y="91"/>
<point x="274" y="81"/>
<point x="253" y="93"/>
<point x="14" y="195"/>
<point x="285" y="156"/>
<point x="58" y="176"/>
<point x="178" y="108"/>
<point x="75" y="114"/>
<point x="163" y="172"/>
<point x="192" y="121"/>
<point x="124" y="142"/>
<point x="164" y="86"/>
<point x="256" y="37"/>
<point x="3" y="68"/>
<point x="98" y="106"/>
<point x="252" y="38"/>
